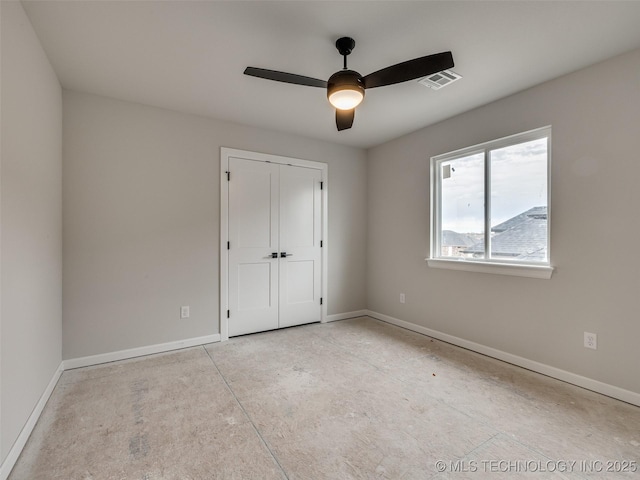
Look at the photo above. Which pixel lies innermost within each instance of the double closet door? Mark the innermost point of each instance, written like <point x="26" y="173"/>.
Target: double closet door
<point x="274" y="250"/>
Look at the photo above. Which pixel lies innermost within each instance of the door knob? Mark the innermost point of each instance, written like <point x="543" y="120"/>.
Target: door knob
<point x="285" y="254"/>
<point x="274" y="254"/>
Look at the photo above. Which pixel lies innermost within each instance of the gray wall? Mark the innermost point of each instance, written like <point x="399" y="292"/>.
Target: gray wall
<point x="31" y="223"/>
<point x="141" y="221"/>
<point x="595" y="114"/>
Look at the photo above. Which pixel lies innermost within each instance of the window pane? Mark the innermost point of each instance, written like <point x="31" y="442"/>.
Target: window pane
<point x="462" y="207"/>
<point x="519" y="202"/>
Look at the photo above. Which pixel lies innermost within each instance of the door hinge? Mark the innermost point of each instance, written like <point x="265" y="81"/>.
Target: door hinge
<point x="228" y="313"/>
<point x="228" y="176"/>
<point x="321" y="185"/>
<point x="228" y="245"/>
<point x="320" y="300"/>
<point x="320" y="243"/>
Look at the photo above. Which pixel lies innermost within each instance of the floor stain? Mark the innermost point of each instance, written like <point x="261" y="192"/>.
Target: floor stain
<point x="139" y="443"/>
<point x="139" y="446"/>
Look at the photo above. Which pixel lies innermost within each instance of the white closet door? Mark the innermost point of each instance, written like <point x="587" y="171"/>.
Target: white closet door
<point x="300" y="235"/>
<point x="253" y="237"/>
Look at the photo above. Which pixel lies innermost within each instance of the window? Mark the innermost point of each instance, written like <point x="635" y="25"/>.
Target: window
<point x="490" y="206"/>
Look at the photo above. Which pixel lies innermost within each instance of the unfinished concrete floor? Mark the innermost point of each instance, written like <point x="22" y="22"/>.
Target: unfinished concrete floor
<point x="352" y="399"/>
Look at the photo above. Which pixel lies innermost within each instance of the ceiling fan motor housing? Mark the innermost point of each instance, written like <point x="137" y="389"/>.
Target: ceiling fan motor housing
<point x="345" y="80"/>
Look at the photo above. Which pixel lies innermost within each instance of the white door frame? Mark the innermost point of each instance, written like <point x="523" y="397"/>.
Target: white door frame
<point x="225" y="154"/>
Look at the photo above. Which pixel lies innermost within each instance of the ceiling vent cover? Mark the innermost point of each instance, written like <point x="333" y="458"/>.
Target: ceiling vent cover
<point x="440" y="79"/>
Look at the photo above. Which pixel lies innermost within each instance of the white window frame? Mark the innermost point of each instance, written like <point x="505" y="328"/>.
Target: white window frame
<point x="487" y="265"/>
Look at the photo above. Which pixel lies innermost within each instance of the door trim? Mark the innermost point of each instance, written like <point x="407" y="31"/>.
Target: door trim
<point x="225" y="154"/>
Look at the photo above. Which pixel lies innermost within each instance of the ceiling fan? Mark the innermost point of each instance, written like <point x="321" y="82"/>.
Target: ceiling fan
<point x="345" y="88"/>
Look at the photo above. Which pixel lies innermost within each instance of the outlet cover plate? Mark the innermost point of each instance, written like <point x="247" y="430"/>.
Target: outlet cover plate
<point x="184" y="312"/>
<point x="590" y="340"/>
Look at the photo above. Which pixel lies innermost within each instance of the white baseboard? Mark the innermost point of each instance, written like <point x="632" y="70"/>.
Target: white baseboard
<point x="343" y="316"/>
<point x="138" y="352"/>
<point x="21" y="441"/>
<point x="569" y="377"/>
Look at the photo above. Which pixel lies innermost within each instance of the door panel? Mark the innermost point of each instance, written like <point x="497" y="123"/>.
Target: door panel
<point x="300" y="235"/>
<point x="297" y="196"/>
<point x="299" y="288"/>
<point x="254" y="285"/>
<point x="254" y="205"/>
<point x="253" y="236"/>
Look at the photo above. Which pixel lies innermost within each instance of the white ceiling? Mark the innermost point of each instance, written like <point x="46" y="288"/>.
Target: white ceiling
<point x="189" y="56"/>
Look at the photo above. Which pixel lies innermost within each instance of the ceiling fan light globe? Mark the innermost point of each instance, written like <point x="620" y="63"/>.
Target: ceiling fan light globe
<point x="346" y="99"/>
<point x="345" y="89"/>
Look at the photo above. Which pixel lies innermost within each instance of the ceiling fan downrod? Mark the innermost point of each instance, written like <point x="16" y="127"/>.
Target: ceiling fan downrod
<point x="345" y="45"/>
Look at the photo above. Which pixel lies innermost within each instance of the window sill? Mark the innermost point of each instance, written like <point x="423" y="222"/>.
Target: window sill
<point x="532" y="271"/>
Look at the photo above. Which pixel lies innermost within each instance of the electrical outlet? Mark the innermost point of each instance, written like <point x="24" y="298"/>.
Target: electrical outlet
<point x="402" y="298"/>
<point x="184" y="312"/>
<point x="590" y="340"/>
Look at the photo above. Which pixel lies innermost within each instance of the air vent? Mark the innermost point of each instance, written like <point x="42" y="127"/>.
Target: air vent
<point x="440" y="79"/>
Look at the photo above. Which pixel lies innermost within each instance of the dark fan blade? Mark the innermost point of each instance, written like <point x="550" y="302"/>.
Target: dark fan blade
<point x="344" y="118"/>
<point x="284" y="77"/>
<point x="409" y="70"/>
